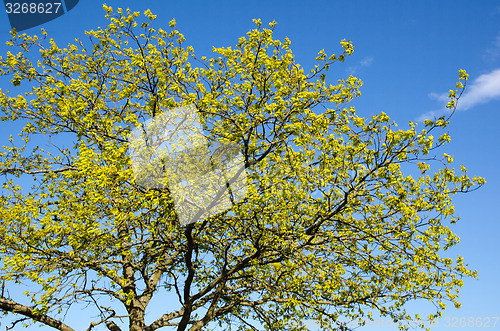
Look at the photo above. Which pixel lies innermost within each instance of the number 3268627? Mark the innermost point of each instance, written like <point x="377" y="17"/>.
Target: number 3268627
<point x="32" y="8"/>
<point x="470" y="322"/>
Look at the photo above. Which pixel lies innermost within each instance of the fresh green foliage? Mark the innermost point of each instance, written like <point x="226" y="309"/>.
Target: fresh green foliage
<point x="343" y="215"/>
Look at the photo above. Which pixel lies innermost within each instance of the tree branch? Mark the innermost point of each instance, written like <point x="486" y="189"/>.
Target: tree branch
<point x="14" y="307"/>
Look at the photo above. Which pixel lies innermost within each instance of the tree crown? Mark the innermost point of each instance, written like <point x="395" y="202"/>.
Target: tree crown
<point x="342" y="214"/>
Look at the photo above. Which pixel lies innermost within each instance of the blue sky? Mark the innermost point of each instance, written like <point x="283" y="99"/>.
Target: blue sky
<point x="408" y="55"/>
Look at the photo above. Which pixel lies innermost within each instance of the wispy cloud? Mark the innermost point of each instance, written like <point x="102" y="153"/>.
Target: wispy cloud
<point x="483" y="89"/>
<point x="364" y="63"/>
<point x="494" y="51"/>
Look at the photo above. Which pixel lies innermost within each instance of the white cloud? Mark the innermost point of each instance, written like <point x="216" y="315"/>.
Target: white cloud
<point x="483" y="89"/>
<point x="364" y="63"/>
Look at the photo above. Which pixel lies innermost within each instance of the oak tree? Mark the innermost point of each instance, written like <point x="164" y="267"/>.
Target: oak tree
<point x="342" y="216"/>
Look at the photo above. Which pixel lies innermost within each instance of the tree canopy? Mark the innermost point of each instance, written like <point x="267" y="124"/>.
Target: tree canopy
<point x="342" y="215"/>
